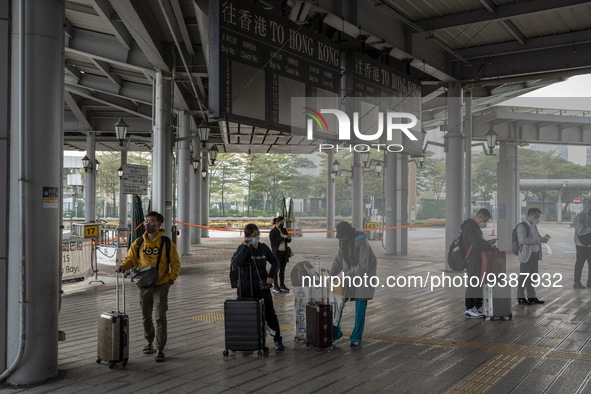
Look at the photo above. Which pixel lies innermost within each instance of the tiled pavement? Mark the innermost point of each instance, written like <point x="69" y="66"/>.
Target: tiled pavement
<point x="416" y="341"/>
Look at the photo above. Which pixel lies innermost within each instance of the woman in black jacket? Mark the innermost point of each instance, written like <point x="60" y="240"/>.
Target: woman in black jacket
<point x="279" y="238"/>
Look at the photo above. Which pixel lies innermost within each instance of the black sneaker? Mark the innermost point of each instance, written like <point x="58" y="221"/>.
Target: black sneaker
<point x="578" y="285"/>
<point x="276" y="290"/>
<point x="284" y="289"/>
<point x="535" y="301"/>
<point x="279" y="345"/>
<point x="523" y="301"/>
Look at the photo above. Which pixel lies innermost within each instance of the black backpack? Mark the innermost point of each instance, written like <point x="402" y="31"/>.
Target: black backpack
<point x="455" y="254"/>
<point x="515" y="246"/>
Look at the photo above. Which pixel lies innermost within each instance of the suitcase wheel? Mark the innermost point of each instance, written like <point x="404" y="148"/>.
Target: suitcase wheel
<point x="226" y="353"/>
<point x="124" y="363"/>
<point x="111" y="365"/>
<point x="260" y="354"/>
<point x="296" y="339"/>
<point x="265" y="349"/>
<point x="98" y="360"/>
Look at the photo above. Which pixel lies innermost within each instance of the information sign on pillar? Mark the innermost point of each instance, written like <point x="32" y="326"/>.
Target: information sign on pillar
<point x="135" y="179"/>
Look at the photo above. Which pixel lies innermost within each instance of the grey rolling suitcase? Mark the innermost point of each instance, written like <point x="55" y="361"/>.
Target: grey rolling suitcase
<point x="244" y="323"/>
<point x="496" y="301"/>
<point x="113" y="334"/>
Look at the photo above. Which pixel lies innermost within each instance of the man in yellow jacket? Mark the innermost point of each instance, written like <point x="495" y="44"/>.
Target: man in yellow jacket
<point x="154" y="249"/>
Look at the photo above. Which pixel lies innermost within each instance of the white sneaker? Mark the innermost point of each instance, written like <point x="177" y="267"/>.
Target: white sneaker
<point x="480" y="310"/>
<point x="473" y="314"/>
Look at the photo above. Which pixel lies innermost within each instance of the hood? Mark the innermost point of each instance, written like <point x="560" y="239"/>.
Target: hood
<point x="359" y="235"/>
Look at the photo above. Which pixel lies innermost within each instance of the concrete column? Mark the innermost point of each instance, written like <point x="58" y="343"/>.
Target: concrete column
<point x="558" y="206"/>
<point x="468" y="151"/>
<point x="122" y="197"/>
<point x="34" y="214"/>
<point x="205" y="195"/>
<point x="183" y="185"/>
<point x="196" y="196"/>
<point x="507" y="195"/>
<point x="412" y="190"/>
<point x="357" y="191"/>
<point x="4" y="167"/>
<point x="330" y="197"/>
<point x="401" y="200"/>
<point x="390" y="201"/>
<point x="454" y="166"/>
<point x="162" y="151"/>
<point x="90" y="181"/>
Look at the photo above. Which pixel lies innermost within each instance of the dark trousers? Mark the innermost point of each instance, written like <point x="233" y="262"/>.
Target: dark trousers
<point x="270" y="315"/>
<point x="280" y="276"/>
<point x="529" y="267"/>
<point x="473" y="293"/>
<point x="583" y="255"/>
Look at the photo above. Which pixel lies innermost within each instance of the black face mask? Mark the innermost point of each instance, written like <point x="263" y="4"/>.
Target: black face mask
<point x="281" y="225"/>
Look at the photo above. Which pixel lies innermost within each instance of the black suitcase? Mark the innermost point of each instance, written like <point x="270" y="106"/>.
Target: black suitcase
<point x="113" y="334"/>
<point x="319" y="319"/>
<point x="244" y="321"/>
<point x="245" y="325"/>
<point x="319" y="325"/>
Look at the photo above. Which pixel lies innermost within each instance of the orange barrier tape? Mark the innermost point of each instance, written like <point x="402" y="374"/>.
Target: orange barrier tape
<point x="317" y="231"/>
<point x="115" y="239"/>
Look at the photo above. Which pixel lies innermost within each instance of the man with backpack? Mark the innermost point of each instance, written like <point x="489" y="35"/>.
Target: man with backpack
<point x="529" y="253"/>
<point x="583" y="244"/>
<point x="157" y="258"/>
<point x="473" y="243"/>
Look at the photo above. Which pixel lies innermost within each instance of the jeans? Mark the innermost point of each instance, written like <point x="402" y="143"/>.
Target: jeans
<point x="155" y="297"/>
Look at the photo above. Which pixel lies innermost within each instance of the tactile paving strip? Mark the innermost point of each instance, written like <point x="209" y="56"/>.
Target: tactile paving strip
<point x="487" y="375"/>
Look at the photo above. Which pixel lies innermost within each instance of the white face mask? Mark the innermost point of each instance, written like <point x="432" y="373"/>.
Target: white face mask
<point x="482" y="225"/>
<point x="536" y="221"/>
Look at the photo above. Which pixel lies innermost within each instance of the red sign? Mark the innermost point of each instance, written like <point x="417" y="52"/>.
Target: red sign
<point x="577" y="200"/>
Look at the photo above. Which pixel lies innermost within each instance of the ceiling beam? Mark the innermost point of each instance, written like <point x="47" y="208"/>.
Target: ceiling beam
<point x="105" y="11"/>
<point x="571" y="40"/>
<point x="114" y="102"/>
<point x="77" y="111"/>
<point x="106" y="69"/>
<point x="180" y="19"/>
<point x="502" y="12"/>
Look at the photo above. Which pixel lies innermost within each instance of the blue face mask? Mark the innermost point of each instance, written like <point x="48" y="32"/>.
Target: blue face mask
<point x="483" y="225"/>
<point x="254" y="241"/>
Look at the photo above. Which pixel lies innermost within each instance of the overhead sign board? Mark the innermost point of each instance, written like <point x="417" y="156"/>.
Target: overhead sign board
<point x="135" y="179"/>
<point x="262" y="60"/>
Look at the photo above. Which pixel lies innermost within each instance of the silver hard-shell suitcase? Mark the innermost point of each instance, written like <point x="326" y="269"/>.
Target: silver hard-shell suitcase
<point x="113" y="334"/>
<point x="496" y="301"/>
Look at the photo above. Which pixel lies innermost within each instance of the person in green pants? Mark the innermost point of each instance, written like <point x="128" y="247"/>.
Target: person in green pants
<point x="354" y="258"/>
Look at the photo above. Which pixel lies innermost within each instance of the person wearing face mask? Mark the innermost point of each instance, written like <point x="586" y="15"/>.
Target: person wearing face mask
<point x="279" y="238"/>
<point x="474" y="242"/>
<point x="582" y="230"/>
<point x="151" y="250"/>
<point x="251" y="259"/>
<point x="530" y="252"/>
<point x="355" y="258"/>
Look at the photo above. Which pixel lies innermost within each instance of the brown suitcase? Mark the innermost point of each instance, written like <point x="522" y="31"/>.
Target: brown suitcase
<point x="318" y="325"/>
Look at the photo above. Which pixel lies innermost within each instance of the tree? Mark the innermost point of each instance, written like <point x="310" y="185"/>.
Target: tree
<point x="107" y="178"/>
<point x="484" y="175"/>
<point x="431" y="177"/>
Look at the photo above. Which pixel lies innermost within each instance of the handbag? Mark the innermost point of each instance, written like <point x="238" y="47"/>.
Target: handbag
<point x="289" y="252"/>
<point x="148" y="276"/>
